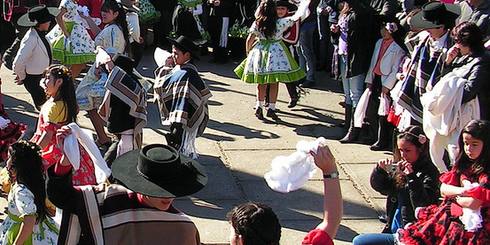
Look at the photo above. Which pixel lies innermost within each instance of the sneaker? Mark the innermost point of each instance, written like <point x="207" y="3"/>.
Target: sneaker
<point x="272" y="114"/>
<point x="259" y="114"/>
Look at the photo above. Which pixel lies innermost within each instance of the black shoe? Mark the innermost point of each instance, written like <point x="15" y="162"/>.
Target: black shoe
<point x="272" y="114"/>
<point x="292" y="103"/>
<point x="259" y="114"/>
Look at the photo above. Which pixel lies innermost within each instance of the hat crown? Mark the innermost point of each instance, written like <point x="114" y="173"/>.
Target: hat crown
<point x="162" y="164"/>
<point x="163" y="156"/>
<point x="38" y="13"/>
<point x="434" y="12"/>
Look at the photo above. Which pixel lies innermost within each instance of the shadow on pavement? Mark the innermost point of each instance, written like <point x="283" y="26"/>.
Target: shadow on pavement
<point x="16" y="110"/>
<point x="226" y="189"/>
<point x="240" y="130"/>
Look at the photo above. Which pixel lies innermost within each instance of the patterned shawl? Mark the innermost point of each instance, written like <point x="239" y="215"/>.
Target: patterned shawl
<point x="183" y="98"/>
<point x="424" y="72"/>
<point x="130" y="92"/>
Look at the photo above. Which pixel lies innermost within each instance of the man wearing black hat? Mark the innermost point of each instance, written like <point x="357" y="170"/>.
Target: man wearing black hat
<point x="182" y="97"/>
<point x="427" y="59"/>
<point x="34" y="54"/>
<point x="137" y="211"/>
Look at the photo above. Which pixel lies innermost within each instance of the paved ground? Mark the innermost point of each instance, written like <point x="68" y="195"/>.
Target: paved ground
<point x="237" y="150"/>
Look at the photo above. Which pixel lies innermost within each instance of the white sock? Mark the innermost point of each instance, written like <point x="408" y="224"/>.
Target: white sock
<point x="259" y="104"/>
<point x="272" y="106"/>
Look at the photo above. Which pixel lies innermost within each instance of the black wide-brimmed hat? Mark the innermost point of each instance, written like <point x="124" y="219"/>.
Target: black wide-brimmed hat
<point x="186" y="45"/>
<point x="287" y="4"/>
<point x="159" y="171"/>
<point x="38" y="15"/>
<point x="436" y="14"/>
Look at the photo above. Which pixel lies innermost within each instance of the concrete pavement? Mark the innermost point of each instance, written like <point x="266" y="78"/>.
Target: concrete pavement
<point x="237" y="150"/>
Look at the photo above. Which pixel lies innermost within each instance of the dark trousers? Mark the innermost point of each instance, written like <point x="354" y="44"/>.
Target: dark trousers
<point x="215" y="25"/>
<point x="31" y="83"/>
<point x="137" y="50"/>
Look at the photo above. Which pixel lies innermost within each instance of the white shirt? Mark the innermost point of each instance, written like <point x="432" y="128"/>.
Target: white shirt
<point x="133" y="26"/>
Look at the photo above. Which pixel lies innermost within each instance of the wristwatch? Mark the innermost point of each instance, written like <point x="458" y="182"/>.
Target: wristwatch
<point x="332" y="175"/>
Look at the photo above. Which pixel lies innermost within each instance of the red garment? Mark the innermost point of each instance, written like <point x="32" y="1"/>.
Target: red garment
<point x="385" y="44"/>
<point x="291" y="35"/>
<point x="52" y="154"/>
<point x="10" y="134"/>
<point x="317" y="237"/>
<point x="441" y="224"/>
<point x="95" y="7"/>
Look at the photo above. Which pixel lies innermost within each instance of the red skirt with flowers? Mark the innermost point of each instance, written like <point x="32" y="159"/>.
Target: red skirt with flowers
<point x="441" y="224"/>
<point x="52" y="154"/>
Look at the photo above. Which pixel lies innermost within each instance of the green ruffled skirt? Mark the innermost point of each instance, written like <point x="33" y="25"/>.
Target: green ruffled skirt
<point x="269" y="61"/>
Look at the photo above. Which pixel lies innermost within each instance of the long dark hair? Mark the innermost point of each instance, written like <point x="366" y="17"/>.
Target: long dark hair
<point x="266" y="21"/>
<point x="66" y="91"/>
<point x="120" y="19"/>
<point x="256" y="223"/>
<point x="478" y="129"/>
<point x="416" y="136"/>
<point x="28" y="165"/>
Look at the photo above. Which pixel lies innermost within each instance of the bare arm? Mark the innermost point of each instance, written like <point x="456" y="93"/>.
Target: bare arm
<point x="250" y="41"/>
<point x="45" y="138"/>
<point x="61" y="22"/>
<point x="451" y="190"/>
<point x="91" y="23"/>
<point x="26" y="228"/>
<point x="332" y="198"/>
<point x="469" y="202"/>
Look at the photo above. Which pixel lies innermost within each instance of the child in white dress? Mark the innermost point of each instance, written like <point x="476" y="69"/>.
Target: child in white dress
<point x="27" y="221"/>
<point x="71" y="42"/>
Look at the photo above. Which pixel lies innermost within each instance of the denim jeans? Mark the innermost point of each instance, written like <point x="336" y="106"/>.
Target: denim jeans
<point x="353" y="86"/>
<point x="305" y="52"/>
<point x="374" y="239"/>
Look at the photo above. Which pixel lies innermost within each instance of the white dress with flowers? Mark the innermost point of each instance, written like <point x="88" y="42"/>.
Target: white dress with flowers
<point x="21" y="204"/>
<point x="270" y="61"/>
<point x="81" y="48"/>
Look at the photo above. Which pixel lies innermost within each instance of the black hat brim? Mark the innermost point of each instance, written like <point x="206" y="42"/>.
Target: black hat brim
<point x="26" y="22"/>
<point x="418" y="21"/>
<point x="184" y="48"/>
<point x="124" y="169"/>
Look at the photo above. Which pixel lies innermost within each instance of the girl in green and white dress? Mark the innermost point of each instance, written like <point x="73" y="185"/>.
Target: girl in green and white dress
<point x="269" y="60"/>
<point x="27" y="221"/>
<point x="71" y="42"/>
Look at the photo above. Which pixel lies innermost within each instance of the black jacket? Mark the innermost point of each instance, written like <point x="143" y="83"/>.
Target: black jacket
<point x="478" y="77"/>
<point x="421" y="190"/>
<point x="359" y="40"/>
<point x="225" y="9"/>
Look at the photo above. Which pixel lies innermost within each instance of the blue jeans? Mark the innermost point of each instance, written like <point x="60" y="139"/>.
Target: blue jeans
<point x="305" y="52"/>
<point x="353" y="86"/>
<point x="374" y="239"/>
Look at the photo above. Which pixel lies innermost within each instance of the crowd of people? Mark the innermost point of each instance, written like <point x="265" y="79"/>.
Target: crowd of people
<point x="415" y="80"/>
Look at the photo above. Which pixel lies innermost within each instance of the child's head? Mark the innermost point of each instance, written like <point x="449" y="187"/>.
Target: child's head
<point x="474" y="145"/>
<point x="412" y="144"/>
<point x="58" y="84"/>
<point x="266" y="18"/>
<point x="26" y="167"/>
<point x="254" y="223"/>
<point x="387" y="29"/>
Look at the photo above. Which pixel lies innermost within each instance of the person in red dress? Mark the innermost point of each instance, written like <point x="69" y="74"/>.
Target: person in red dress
<point x="59" y="110"/>
<point x="464" y="215"/>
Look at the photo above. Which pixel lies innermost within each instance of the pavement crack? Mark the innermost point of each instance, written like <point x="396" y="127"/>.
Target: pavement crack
<point x="227" y="163"/>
